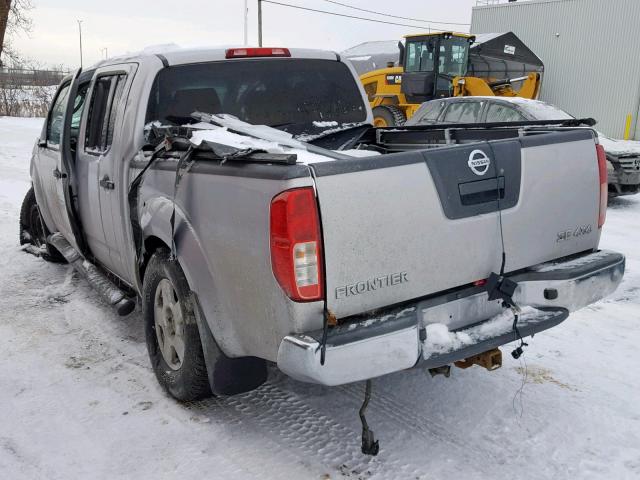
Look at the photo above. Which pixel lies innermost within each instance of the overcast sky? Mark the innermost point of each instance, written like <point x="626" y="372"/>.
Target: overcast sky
<point x="129" y="25"/>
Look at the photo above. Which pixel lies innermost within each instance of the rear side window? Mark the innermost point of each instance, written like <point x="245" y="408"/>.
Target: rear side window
<point x="503" y="113"/>
<point x="273" y="92"/>
<point x="56" y="116"/>
<point x="463" y="112"/>
<point x="107" y="92"/>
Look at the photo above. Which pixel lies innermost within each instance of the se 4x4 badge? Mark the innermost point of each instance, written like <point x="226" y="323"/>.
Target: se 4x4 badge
<point x="479" y="162"/>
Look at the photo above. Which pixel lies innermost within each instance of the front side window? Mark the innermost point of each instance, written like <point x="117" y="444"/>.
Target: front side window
<point x="463" y="112"/>
<point x="78" y="107"/>
<point x="296" y="95"/>
<point x="471" y="112"/>
<point x="107" y="92"/>
<point x="503" y="113"/>
<point x="56" y="116"/>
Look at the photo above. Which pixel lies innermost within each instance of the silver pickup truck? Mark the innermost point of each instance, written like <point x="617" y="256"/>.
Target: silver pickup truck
<point x="243" y="199"/>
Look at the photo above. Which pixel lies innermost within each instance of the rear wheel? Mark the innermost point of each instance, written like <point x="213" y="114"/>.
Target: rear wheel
<point x="174" y="343"/>
<point x="388" y="116"/>
<point x="34" y="232"/>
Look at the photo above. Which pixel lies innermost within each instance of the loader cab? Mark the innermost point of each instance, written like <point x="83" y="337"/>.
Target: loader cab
<point x="431" y="61"/>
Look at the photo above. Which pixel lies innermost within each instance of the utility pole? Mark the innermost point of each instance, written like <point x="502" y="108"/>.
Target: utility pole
<point x="80" y="32"/>
<point x="246" y="24"/>
<point x="259" y="23"/>
<point x="105" y="52"/>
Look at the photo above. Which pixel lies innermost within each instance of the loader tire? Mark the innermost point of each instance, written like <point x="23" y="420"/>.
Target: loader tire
<point x="388" y="116"/>
<point x="34" y="232"/>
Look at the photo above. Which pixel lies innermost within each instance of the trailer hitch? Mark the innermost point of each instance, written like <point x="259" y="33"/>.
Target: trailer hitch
<point x="501" y="288"/>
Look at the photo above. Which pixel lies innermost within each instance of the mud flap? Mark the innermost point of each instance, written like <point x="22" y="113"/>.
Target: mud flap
<point x="227" y="376"/>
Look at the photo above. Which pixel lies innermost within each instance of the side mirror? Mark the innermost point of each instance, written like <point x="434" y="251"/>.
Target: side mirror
<point x="401" y="57"/>
<point x="42" y="143"/>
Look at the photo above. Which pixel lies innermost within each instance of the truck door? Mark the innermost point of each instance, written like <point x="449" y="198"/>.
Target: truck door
<point x="420" y="69"/>
<point x="99" y="159"/>
<point x="52" y="169"/>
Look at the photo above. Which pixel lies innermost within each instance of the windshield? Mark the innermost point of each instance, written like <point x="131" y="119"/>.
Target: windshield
<point x="454" y="55"/>
<point x="296" y="95"/>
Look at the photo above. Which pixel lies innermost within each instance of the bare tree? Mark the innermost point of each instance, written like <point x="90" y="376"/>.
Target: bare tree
<point x="14" y="19"/>
<point x="5" y="6"/>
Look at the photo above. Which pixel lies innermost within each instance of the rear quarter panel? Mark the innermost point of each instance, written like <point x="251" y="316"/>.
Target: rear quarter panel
<point x="222" y="242"/>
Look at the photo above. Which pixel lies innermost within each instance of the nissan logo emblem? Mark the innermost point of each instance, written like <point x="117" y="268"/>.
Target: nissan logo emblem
<point x="479" y="162"/>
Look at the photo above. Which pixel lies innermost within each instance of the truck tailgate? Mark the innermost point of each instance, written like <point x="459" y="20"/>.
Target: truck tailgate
<point x="402" y="226"/>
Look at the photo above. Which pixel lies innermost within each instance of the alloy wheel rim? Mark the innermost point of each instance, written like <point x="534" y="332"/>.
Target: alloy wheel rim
<point x="169" y="324"/>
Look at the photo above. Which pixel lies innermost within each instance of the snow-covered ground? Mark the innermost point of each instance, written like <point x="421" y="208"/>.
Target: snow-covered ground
<point x="78" y="398"/>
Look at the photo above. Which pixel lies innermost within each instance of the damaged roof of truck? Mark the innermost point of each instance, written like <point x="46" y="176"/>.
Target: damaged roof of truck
<point x="174" y="55"/>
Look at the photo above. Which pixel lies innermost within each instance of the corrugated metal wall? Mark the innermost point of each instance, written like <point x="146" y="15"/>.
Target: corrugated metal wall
<point x="591" y="52"/>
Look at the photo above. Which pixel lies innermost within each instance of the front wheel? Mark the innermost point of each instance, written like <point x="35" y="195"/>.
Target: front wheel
<point x="388" y="116"/>
<point x="34" y="232"/>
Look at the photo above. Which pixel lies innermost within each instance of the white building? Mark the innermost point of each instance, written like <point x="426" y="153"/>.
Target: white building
<point x="591" y="52"/>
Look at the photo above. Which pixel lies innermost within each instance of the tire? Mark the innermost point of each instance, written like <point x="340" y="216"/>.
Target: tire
<point x="388" y="116"/>
<point x="33" y="230"/>
<point x="186" y="378"/>
<point x="173" y="341"/>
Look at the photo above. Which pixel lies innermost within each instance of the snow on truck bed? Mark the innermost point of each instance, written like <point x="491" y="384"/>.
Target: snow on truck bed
<point x="268" y="139"/>
<point x="80" y="400"/>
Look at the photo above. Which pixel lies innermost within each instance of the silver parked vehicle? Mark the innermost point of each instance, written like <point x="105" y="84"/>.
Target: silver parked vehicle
<point x="623" y="166"/>
<point x="242" y="197"/>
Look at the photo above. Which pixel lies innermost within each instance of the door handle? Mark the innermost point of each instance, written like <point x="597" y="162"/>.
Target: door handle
<point x="58" y="174"/>
<point x="482" y="191"/>
<point x="107" y="183"/>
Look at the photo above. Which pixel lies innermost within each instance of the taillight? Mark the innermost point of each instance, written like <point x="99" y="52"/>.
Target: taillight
<point x="604" y="194"/>
<point x="257" y="52"/>
<point x="296" y="249"/>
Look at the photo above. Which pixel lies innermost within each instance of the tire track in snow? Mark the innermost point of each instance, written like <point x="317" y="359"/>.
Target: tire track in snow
<point x="231" y="412"/>
<point x="290" y="422"/>
<point x="394" y="411"/>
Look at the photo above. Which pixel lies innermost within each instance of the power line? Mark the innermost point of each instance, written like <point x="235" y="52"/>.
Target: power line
<point x="344" y="15"/>
<point x="394" y="16"/>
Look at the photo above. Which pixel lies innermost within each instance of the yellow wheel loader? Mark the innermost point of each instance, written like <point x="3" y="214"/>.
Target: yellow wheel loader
<point x="446" y="64"/>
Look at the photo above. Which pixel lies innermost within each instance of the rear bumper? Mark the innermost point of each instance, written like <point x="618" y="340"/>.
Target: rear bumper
<point x="381" y="344"/>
